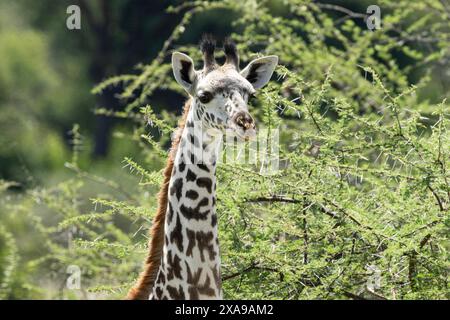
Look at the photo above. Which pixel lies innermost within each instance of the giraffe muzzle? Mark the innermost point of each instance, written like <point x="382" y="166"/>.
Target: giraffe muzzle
<point x="244" y="125"/>
<point x="244" y="121"/>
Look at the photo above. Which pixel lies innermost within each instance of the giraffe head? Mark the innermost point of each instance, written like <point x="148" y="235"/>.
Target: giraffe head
<point x="221" y="92"/>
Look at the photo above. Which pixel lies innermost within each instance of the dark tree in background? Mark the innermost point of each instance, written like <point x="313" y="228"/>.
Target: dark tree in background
<point x="115" y="36"/>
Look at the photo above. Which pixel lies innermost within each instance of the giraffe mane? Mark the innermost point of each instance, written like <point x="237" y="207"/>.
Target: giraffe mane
<point x="141" y="290"/>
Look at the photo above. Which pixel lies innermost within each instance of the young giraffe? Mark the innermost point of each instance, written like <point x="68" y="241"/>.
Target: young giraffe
<point x="184" y="260"/>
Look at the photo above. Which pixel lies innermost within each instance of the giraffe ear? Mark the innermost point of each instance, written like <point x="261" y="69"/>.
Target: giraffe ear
<point x="183" y="70"/>
<point x="259" y="71"/>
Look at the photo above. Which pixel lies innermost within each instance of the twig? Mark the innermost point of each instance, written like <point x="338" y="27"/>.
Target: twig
<point x="276" y="198"/>
<point x="412" y="266"/>
<point x="437" y="198"/>
<point x="430" y="224"/>
<point x="348" y="12"/>
<point x="305" y="236"/>
<point x="253" y="266"/>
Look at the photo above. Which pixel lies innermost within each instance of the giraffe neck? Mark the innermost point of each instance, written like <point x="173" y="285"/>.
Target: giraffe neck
<point x="190" y="266"/>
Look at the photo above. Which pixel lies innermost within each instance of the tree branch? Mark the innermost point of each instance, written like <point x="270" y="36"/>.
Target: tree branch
<point x="441" y="207"/>
<point x="253" y="266"/>
<point x="348" y="13"/>
<point x="412" y="266"/>
<point x="340" y="9"/>
<point x="276" y="198"/>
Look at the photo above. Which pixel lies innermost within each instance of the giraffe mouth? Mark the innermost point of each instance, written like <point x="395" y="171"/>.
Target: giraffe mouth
<point x="241" y="134"/>
<point x="249" y="134"/>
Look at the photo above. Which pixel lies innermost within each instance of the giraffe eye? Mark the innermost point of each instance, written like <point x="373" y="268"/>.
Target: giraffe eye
<point x="205" y="96"/>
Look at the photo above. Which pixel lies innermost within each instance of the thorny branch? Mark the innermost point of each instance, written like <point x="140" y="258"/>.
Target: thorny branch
<point x="252" y="266"/>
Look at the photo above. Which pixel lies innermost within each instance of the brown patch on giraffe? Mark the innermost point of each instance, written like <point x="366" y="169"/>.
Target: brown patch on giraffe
<point x="206" y="288"/>
<point x="192" y="157"/>
<point x="213" y="220"/>
<point x="205" y="183"/>
<point x="190" y="176"/>
<point x="161" y="277"/>
<point x="177" y="188"/>
<point x="193" y="293"/>
<point x="176" y="294"/>
<point x="204" y="242"/>
<point x="203" y="167"/>
<point x="193" y="279"/>
<point x="158" y="293"/>
<point x="170" y="214"/>
<point x="177" y="234"/>
<point x="173" y="266"/>
<point x="195" y="288"/>
<point x="144" y="285"/>
<point x="203" y="202"/>
<point x="191" y="241"/>
<point x="191" y="194"/>
<point x="193" y="213"/>
<point x="194" y="140"/>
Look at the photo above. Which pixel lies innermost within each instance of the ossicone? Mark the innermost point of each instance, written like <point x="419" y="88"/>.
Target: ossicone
<point x="231" y="54"/>
<point x="207" y="47"/>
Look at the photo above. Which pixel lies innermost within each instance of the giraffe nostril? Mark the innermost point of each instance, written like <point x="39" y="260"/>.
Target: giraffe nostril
<point x="244" y="120"/>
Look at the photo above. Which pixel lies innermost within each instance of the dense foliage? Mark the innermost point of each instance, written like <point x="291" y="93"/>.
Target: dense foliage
<point x="358" y="208"/>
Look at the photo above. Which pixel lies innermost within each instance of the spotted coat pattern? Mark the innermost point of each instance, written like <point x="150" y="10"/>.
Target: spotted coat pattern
<point x="190" y="267"/>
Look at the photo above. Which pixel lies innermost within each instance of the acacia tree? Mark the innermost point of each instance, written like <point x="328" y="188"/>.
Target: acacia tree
<point x="358" y="207"/>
